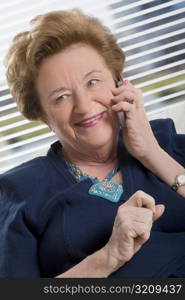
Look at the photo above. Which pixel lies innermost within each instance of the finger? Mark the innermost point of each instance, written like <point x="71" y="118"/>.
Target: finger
<point x="141" y="239"/>
<point x="142" y="199"/>
<point x="122" y="83"/>
<point x="130" y="95"/>
<point x="160" y="208"/>
<point x="128" y="215"/>
<point x="143" y="215"/>
<point x="126" y="87"/>
<point x="137" y="93"/>
<point x="123" y="106"/>
<point x="140" y="228"/>
<point x="138" y="242"/>
<point x="125" y="96"/>
<point x="122" y="88"/>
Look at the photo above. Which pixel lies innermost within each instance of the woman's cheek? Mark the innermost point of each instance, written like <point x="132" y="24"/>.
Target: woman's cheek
<point x="106" y="96"/>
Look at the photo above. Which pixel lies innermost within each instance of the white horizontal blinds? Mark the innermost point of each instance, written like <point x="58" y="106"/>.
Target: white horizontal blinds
<point x="153" y="38"/>
<point x="152" y="34"/>
<point x="20" y="139"/>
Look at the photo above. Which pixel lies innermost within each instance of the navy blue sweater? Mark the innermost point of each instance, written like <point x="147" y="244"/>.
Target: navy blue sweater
<point x="49" y="222"/>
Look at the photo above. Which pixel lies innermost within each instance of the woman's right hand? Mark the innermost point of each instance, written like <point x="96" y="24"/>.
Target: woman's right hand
<point x="131" y="228"/>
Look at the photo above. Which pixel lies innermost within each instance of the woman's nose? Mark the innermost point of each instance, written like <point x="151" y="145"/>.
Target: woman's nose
<point x="82" y="102"/>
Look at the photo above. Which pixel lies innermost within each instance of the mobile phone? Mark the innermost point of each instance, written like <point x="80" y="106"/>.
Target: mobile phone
<point x="121" y="115"/>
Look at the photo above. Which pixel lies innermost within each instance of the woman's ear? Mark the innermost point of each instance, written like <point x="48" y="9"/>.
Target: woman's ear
<point x="119" y="80"/>
<point x="45" y="120"/>
<point x="117" y="83"/>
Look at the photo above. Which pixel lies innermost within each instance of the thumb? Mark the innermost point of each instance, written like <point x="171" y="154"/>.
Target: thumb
<point x="159" y="210"/>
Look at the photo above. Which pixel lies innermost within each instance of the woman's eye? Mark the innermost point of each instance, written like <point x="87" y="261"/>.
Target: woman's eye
<point x="92" y="82"/>
<point x="62" y="97"/>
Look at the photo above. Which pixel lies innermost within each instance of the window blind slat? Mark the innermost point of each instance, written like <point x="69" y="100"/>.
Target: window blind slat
<point x="157" y="59"/>
<point x="165" y="87"/>
<point x="156" y="49"/>
<point x="3" y="88"/>
<point x="25" y="142"/>
<point x="145" y="11"/>
<point x="10" y="116"/>
<point x="154" y="40"/>
<point x="14" y="125"/>
<point x="22" y="132"/>
<point x="19" y="11"/>
<point x="161" y="78"/>
<point x="164" y="98"/>
<point x="155" y="70"/>
<point x="5" y="97"/>
<point x="22" y="153"/>
<point x="150" y="20"/>
<point x="126" y="7"/>
<point x="7" y="4"/>
<point x="149" y="31"/>
<point x="8" y="106"/>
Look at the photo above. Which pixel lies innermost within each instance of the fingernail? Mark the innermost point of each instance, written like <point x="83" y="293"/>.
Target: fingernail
<point x="125" y="81"/>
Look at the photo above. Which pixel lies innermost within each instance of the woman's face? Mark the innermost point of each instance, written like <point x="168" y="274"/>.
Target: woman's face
<point x="74" y="87"/>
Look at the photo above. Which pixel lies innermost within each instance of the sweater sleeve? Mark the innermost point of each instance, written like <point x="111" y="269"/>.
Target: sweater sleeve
<point x="18" y="244"/>
<point x="168" y="138"/>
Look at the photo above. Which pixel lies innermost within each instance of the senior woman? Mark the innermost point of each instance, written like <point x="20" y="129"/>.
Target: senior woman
<point x="100" y="203"/>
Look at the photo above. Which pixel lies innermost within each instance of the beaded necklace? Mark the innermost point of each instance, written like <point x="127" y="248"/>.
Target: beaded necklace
<point x="106" y="189"/>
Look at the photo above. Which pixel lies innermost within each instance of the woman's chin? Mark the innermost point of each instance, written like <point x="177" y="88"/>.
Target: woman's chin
<point x="100" y="138"/>
<point x="97" y="136"/>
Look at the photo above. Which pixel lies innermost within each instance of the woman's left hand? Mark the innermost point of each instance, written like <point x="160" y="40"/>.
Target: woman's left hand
<point x="138" y="137"/>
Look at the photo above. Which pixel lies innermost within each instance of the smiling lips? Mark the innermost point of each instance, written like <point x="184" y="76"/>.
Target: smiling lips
<point x="89" y="122"/>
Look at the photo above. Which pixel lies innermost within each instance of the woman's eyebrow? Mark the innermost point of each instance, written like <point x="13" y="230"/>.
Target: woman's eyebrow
<point x="91" y="72"/>
<point x="61" y="89"/>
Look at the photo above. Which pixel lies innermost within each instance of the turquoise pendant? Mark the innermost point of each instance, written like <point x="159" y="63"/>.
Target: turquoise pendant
<point x="109" y="190"/>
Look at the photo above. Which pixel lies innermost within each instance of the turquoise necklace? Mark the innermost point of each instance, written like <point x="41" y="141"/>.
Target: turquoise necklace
<point x="106" y="189"/>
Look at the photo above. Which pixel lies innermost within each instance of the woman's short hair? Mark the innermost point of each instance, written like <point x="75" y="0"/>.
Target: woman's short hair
<point x="52" y="33"/>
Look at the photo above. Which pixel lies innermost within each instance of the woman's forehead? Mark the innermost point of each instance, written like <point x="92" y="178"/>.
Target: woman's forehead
<point x="78" y="59"/>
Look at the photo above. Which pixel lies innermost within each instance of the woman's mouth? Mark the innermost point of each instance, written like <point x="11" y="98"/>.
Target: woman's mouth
<point x="89" y="122"/>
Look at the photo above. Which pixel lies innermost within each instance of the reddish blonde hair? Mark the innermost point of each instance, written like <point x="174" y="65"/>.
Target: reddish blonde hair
<point x="52" y="33"/>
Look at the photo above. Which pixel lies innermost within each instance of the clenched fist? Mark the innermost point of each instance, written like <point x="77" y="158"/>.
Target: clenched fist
<point x="131" y="228"/>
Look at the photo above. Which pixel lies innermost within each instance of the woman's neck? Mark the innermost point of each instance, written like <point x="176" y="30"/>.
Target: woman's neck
<point x="97" y="163"/>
